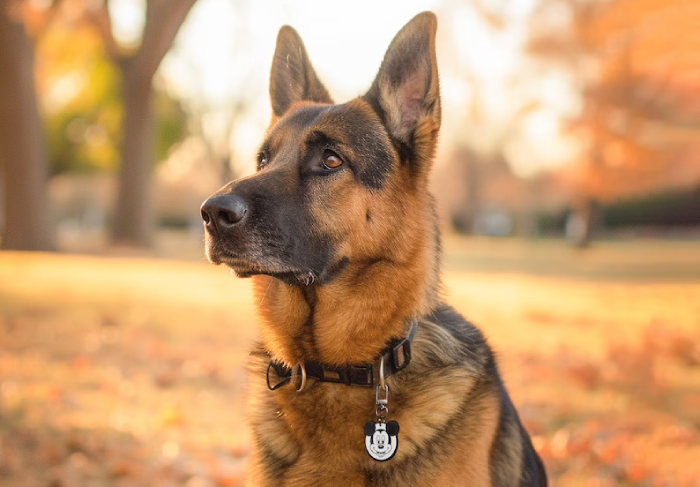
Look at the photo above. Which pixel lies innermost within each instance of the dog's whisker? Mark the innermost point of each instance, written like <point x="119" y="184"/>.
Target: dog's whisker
<point x="263" y="296"/>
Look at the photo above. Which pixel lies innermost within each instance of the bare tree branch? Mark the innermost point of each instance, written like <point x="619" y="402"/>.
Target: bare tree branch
<point x="99" y="17"/>
<point x="163" y="20"/>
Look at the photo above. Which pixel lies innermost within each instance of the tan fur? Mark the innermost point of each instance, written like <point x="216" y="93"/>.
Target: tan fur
<point x="470" y="462"/>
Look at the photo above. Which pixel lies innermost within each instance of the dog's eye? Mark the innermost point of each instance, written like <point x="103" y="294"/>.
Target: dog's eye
<point x="331" y="160"/>
<point x="262" y="160"/>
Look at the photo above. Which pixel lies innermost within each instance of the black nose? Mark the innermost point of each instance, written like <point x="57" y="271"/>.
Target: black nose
<point x="223" y="211"/>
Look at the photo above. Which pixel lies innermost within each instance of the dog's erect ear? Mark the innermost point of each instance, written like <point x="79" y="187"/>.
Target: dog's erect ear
<point x="406" y="90"/>
<point x="292" y="78"/>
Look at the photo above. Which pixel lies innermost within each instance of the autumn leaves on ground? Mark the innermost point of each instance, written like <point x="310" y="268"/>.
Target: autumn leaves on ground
<point x="120" y="371"/>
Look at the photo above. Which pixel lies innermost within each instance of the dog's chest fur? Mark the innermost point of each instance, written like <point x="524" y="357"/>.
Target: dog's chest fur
<point x="446" y="403"/>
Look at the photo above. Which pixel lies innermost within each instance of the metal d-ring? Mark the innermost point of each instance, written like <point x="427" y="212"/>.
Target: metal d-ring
<point x="296" y="370"/>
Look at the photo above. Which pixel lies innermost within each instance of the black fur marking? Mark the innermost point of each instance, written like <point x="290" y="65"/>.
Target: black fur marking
<point x="273" y="466"/>
<point x="335" y="270"/>
<point x="319" y="139"/>
<point x="407" y="155"/>
<point x="531" y="468"/>
<point x="302" y="117"/>
<point x="533" y="472"/>
<point x="368" y="217"/>
<point x="311" y="298"/>
<point x="502" y="438"/>
<point x="295" y="121"/>
<point x="475" y="350"/>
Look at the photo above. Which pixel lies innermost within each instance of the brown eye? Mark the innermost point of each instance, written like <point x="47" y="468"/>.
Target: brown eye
<point x="262" y="160"/>
<point x="331" y="160"/>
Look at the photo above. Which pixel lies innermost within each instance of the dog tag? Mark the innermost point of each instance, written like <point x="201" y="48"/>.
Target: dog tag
<point x="381" y="440"/>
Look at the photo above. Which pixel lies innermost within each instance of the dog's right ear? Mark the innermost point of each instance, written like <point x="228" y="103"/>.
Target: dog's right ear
<point x="292" y="78"/>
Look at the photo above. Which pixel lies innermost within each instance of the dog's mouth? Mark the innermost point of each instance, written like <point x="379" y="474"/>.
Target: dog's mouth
<point x="248" y="266"/>
<point x="268" y="251"/>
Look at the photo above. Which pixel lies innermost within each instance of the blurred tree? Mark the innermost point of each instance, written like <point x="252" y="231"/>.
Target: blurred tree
<point x="80" y="95"/>
<point x="223" y="117"/>
<point x="134" y="215"/>
<point x="23" y="159"/>
<point x="215" y="116"/>
<point x="636" y="61"/>
<point x="479" y="174"/>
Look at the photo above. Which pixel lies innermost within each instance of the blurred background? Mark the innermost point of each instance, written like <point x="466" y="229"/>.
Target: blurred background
<point x="568" y="187"/>
<point x="563" y="118"/>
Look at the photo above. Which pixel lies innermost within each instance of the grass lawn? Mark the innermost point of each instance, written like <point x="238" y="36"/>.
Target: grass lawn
<point x="127" y="371"/>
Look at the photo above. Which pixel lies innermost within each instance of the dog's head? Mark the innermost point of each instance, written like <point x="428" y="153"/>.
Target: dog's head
<point x="335" y="184"/>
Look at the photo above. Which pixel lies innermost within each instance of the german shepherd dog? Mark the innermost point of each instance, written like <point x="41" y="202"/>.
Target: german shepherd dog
<point x="364" y="376"/>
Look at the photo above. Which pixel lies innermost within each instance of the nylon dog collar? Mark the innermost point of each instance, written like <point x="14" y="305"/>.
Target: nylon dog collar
<point x="395" y="357"/>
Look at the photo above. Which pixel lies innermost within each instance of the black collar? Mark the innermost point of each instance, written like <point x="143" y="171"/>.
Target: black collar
<point x="396" y="356"/>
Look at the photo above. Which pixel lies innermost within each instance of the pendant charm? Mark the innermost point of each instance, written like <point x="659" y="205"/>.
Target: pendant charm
<point x="381" y="440"/>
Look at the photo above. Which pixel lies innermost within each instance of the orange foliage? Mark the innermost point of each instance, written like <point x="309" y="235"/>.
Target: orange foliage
<point x="638" y="62"/>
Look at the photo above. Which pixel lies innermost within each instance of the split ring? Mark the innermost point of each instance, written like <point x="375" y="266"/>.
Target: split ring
<point x="299" y="371"/>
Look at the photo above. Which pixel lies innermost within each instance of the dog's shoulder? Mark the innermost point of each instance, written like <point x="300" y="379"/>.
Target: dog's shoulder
<point x="451" y="364"/>
<point x="446" y="339"/>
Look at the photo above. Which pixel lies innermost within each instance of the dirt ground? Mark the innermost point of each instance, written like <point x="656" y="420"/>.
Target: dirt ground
<point x="127" y="370"/>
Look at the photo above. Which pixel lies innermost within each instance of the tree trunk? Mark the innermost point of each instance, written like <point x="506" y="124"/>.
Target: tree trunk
<point x="23" y="158"/>
<point x="582" y="223"/>
<point x="134" y="220"/>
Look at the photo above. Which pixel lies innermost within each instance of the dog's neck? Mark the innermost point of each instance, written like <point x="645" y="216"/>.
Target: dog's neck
<point x="350" y="319"/>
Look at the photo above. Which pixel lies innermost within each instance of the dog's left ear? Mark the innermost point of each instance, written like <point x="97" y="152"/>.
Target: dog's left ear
<point x="406" y="91"/>
<point x="292" y="78"/>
